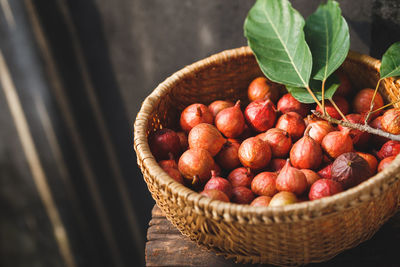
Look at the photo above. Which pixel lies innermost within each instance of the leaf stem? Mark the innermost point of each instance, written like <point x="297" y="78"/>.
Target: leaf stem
<point x="385" y="106"/>
<point x="323" y="96"/>
<point x="371" y="105"/>
<point x="361" y="127"/>
<point x="338" y="110"/>
<point x="314" y="97"/>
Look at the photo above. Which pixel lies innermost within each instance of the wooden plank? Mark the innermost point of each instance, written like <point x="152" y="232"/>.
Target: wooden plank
<point x="166" y="246"/>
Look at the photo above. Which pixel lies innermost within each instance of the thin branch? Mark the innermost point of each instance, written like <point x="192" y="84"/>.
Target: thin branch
<point x="371" y="105"/>
<point x="385" y="106"/>
<point x="338" y="110"/>
<point x="313" y="96"/>
<point x="361" y="127"/>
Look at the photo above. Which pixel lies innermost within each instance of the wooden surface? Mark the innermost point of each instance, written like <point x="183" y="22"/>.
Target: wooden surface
<point x="166" y="246"/>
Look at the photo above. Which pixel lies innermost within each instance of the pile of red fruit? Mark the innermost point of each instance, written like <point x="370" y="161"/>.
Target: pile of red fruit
<point x="273" y="153"/>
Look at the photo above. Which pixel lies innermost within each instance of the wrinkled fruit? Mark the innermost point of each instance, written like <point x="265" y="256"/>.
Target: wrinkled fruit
<point x="349" y="169"/>
<point x="195" y="114"/>
<point x="291" y="179"/>
<point x="241" y="177"/>
<point x="264" y="184"/>
<point x="254" y="153"/>
<point x="164" y="141"/>
<point x="324" y="188"/>
<point x="230" y="121"/>
<point x="261" y="88"/>
<point x="207" y="137"/>
<point x="196" y="165"/>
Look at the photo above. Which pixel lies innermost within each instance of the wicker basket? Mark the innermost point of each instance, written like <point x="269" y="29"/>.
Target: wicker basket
<point x="301" y="233"/>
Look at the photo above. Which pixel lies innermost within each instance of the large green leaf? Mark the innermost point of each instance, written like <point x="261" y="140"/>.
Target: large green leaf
<point x="301" y="94"/>
<point x="390" y="66"/>
<point x="327" y="34"/>
<point x="274" y="31"/>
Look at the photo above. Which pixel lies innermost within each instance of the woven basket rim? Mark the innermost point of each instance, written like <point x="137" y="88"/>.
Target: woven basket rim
<point x="354" y="196"/>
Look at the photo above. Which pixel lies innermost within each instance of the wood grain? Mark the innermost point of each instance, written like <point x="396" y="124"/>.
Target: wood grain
<point x="166" y="246"/>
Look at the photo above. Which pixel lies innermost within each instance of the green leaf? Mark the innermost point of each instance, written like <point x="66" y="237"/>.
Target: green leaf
<point x="274" y="31"/>
<point x="301" y="94"/>
<point x="327" y="34"/>
<point x="390" y="66"/>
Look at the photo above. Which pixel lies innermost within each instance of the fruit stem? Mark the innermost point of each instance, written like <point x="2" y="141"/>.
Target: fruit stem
<point x="338" y="110"/>
<point x="237" y="104"/>
<point x="248" y="174"/>
<point x="385" y="106"/>
<point x="361" y="127"/>
<point x="314" y="97"/>
<point x="195" y="179"/>
<point x="307" y="130"/>
<point x="199" y="113"/>
<point x="371" y="105"/>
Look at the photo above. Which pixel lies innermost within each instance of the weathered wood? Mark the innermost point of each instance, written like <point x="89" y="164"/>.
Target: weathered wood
<point x="166" y="246"/>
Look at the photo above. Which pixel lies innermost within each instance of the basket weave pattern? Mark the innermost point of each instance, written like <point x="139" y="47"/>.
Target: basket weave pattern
<point x="301" y="233"/>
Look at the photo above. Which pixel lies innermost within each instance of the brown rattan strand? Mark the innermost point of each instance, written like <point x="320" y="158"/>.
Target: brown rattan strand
<point x="301" y="233"/>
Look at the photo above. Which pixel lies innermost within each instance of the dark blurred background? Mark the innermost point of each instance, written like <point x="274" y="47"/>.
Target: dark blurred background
<point x="73" y="74"/>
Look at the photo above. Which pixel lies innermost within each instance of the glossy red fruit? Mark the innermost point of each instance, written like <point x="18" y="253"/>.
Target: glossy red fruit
<point x="287" y="103"/>
<point x="390" y="148"/>
<point x="230" y="121"/>
<point x="372" y="161"/>
<point x="195" y="114"/>
<point x="261" y="88"/>
<point x="391" y="121"/>
<point x="254" y="153"/>
<point x="306" y="153"/>
<point x="264" y="184"/>
<point x="349" y="169"/>
<point x="164" y="141"/>
<point x="260" y="115"/>
<point x="228" y="156"/>
<point x="219" y="183"/>
<point x="291" y="179"/>
<point x="283" y="198"/>
<point x="183" y="138"/>
<point x="319" y="129"/>
<point x="261" y="201"/>
<point x="362" y="102"/>
<point x="168" y="163"/>
<point x="385" y="162"/>
<point x="324" y="188"/>
<point x="278" y="140"/>
<point x="342" y="104"/>
<point x="241" y="177"/>
<point x="292" y="123"/>
<point x="311" y="177"/>
<point x="219" y="105"/>
<point x="174" y="174"/>
<point x="337" y="142"/>
<point x="242" y="195"/>
<point x="326" y="172"/>
<point x="360" y="139"/>
<point x="207" y="137"/>
<point x="196" y="165"/>
<point x="216" y="195"/>
<point x="377" y="124"/>
<point x="276" y="165"/>
<point x="344" y="88"/>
